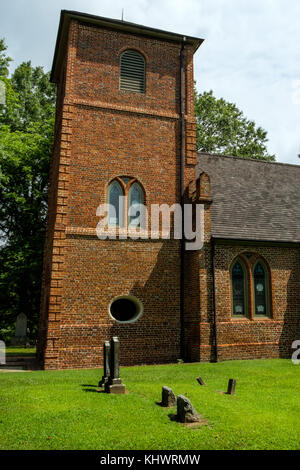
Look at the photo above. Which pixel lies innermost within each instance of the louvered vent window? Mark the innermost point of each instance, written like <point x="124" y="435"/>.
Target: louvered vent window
<point x="132" y="72"/>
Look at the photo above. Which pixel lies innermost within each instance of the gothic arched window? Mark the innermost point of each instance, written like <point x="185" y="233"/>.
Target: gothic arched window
<point x="260" y="284"/>
<point x="135" y="205"/>
<point x="239" y="289"/>
<point x="115" y="207"/>
<point x="132" y="71"/>
<point x="126" y="203"/>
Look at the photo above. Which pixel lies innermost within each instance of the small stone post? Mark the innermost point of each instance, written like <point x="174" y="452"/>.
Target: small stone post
<point x="200" y="381"/>
<point x="168" y="398"/>
<point x="114" y="384"/>
<point x="106" y="364"/>
<point x="186" y="413"/>
<point x="231" y="387"/>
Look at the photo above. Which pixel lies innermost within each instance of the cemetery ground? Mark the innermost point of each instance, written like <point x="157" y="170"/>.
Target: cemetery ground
<point x="12" y="351"/>
<point x="63" y="410"/>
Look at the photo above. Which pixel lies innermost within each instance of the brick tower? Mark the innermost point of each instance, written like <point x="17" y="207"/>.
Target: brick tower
<point x="124" y="125"/>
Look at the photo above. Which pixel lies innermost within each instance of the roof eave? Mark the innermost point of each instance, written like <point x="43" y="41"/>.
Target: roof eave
<point x="232" y="239"/>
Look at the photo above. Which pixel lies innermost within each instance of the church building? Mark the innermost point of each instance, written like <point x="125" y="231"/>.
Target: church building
<point x="126" y="131"/>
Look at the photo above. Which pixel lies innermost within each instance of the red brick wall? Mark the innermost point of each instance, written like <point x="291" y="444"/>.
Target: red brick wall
<point x="101" y="133"/>
<point x="96" y="74"/>
<point x="252" y="337"/>
<point x="57" y="177"/>
<point x="100" y="270"/>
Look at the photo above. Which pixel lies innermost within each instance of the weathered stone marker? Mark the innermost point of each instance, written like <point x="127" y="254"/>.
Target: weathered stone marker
<point x="106" y="364"/>
<point x="168" y="398"/>
<point x="114" y="383"/>
<point x="200" y="381"/>
<point x="2" y="353"/>
<point x="231" y="387"/>
<point x="21" y="330"/>
<point x="186" y="413"/>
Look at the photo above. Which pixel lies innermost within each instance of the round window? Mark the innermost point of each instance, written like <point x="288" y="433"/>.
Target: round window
<point x="126" y="309"/>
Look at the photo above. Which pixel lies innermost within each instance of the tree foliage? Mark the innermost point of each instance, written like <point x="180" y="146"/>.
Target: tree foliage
<point x="26" y="134"/>
<point x="4" y="59"/>
<point x="36" y="96"/>
<point x="223" y="129"/>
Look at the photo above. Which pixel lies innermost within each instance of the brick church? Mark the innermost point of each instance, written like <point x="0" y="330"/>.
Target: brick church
<point x="125" y="126"/>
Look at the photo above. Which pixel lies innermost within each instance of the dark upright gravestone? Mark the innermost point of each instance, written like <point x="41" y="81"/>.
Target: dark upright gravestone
<point x="114" y="383"/>
<point x="106" y="364"/>
<point x="201" y="381"/>
<point x="231" y="387"/>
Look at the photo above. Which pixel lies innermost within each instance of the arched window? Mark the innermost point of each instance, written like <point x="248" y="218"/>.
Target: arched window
<point x="260" y="284"/>
<point x="239" y="289"/>
<point x="115" y="208"/>
<point x="132" y="71"/>
<point x="135" y="206"/>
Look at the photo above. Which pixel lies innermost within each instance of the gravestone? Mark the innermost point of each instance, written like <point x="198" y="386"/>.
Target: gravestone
<point x="186" y="413"/>
<point x="21" y="330"/>
<point x="231" y="387"/>
<point x="200" y="381"/>
<point x="2" y="353"/>
<point x="114" y="383"/>
<point x="168" y="398"/>
<point x="106" y="364"/>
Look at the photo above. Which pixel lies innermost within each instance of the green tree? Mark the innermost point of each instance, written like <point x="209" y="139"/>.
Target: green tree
<point x="223" y="129"/>
<point x="24" y="170"/>
<point x="26" y="135"/>
<point x="4" y="59"/>
<point x="36" y="95"/>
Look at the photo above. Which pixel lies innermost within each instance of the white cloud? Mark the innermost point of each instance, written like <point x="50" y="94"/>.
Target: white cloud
<point x="250" y="56"/>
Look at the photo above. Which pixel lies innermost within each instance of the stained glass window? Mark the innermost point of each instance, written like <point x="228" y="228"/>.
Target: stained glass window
<point x="135" y="206"/>
<point x="115" y="216"/>
<point x="260" y="294"/>
<point x="126" y="179"/>
<point x="238" y="289"/>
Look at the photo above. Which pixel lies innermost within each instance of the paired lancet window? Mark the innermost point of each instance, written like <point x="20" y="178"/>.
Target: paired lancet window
<point x="239" y="289"/>
<point x="115" y="215"/>
<point x="132" y="71"/>
<point x="260" y="277"/>
<point x="250" y="288"/>
<point x="125" y="198"/>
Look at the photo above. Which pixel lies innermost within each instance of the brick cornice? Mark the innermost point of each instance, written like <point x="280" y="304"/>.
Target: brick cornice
<point x="144" y="235"/>
<point x="122" y="108"/>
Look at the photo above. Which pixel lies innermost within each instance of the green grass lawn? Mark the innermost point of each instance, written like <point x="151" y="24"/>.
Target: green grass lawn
<point x="12" y="351"/>
<point x="61" y="409"/>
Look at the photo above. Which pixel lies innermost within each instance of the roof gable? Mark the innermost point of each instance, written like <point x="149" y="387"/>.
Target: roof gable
<point x="253" y="199"/>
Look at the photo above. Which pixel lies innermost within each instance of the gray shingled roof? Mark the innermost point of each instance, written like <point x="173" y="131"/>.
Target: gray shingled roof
<point x="252" y="199"/>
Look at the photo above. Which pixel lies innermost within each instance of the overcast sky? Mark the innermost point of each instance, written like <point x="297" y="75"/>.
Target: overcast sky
<point x="251" y="53"/>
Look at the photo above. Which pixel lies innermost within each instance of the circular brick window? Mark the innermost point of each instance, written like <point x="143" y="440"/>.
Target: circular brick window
<point x="125" y="309"/>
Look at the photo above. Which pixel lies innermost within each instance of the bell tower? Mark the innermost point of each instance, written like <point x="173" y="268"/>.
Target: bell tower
<point x="125" y="127"/>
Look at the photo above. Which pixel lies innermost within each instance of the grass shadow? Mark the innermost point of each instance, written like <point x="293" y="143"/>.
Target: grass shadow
<point x="93" y="390"/>
<point x="197" y="424"/>
<point x="89" y="385"/>
<point x="159" y="403"/>
<point x="173" y="417"/>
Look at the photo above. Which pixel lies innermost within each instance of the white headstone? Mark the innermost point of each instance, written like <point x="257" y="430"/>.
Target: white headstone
<point x="2" y="352"/>
<point x="21" y="325"/>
